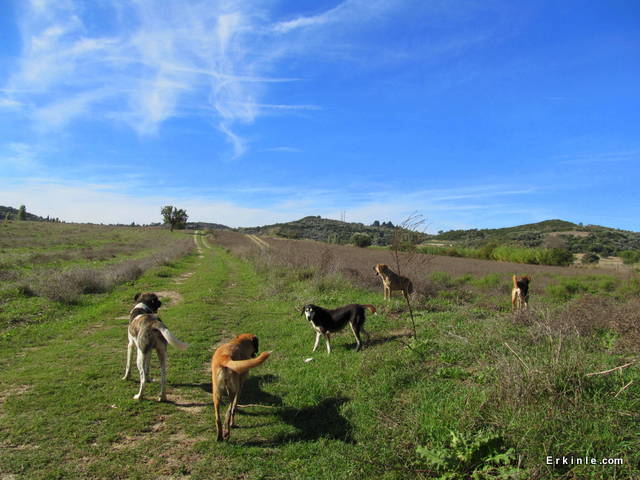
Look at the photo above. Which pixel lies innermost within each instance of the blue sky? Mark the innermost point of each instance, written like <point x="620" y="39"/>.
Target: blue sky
<point x="474" y="114"/>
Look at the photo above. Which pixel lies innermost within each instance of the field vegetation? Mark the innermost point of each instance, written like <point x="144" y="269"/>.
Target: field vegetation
<point x="44" y="265"/>
<point x="476" y="392"/>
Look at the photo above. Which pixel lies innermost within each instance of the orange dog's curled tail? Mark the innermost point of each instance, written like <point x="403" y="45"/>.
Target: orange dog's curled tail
<point x="242" y="366"/>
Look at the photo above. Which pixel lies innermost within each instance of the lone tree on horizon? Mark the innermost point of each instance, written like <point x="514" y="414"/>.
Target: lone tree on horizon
<point x="22" y="213"/>
<point x="175" y="217"/>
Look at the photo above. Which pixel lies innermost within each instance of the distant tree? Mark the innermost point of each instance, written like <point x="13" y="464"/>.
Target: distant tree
<point x="175" y="217"/>
<point x="361" y="240"/>
<point x="22" y="213"/>
<point x="376" y="223"/>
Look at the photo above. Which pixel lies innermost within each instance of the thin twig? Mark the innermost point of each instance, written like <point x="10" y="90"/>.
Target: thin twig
<point x="255" y="405"/>
<point x="605" y="372"/>
<point x="622" y="389"/>
<point x="517" y="356"/>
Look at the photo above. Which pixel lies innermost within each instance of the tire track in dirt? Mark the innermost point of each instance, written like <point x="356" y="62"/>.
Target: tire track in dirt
<point x="259" y="241"/>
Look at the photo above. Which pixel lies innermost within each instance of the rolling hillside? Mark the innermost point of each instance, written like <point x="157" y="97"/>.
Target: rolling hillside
<point x="575" y="238"/>
<point x="328" y="230"/>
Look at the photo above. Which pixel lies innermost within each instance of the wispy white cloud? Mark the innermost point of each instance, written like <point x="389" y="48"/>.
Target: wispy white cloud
<point x="347" y="11"/>
<point x="283" y="149"/>
<point x="148" y="68"/>
<point x="9" y="103"/>
<point x="21" y="156"/>
<point x="142" y="64"/>
<point x="607" y="157"/>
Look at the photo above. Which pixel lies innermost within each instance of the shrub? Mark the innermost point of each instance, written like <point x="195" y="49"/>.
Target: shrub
<point x="477" y="455"/>
<point x="361" y="240"/>
<point x="591" y="257"/>
<point x="630" y="256"/>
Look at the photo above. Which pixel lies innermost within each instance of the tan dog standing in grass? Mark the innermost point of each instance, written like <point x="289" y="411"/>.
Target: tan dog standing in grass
<point x="392" y="281"/>
<point x="520" y="293"/>
<point x="230" y="366"/>
<point x="147" y="332"/>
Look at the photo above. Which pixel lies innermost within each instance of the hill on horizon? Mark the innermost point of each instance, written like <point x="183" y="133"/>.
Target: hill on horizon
<point x="555" y="233"/>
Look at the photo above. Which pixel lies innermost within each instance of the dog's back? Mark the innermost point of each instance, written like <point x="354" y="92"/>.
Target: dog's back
<point x="146" y="329"/>
<point x="339" y="317"/>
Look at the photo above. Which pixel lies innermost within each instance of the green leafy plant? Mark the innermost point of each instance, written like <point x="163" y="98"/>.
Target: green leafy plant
<point x="477" y="455"/>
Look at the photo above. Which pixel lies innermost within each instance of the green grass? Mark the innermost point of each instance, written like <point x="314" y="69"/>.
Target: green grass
<point x="65" y="412"/>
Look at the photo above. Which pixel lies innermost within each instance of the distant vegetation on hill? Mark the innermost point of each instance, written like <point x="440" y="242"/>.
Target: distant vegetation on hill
<point x="330" y="231"/>
<point x="551" y="242"/>
<point x="13" y="215"/>
<point x="551" y="236"/>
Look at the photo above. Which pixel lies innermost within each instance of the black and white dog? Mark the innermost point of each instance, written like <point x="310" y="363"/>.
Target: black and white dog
<point x="325" y="322"/>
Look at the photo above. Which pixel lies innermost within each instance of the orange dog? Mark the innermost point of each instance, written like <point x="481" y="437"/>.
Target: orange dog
<point x="230" y="366"/>
<point x="520" y="293"/>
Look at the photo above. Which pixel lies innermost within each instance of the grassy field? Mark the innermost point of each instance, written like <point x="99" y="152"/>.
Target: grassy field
<point x="46" y="267"/>
<point x="479" y="391"/>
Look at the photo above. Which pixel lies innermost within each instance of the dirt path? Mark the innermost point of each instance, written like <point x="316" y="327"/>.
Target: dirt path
<point x="258" y="241"/>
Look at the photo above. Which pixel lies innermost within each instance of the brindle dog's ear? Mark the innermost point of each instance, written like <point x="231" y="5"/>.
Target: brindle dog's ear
<point x="255" y="344"/>
<point x="137" y="295"/>
<point x="158" y="303"/>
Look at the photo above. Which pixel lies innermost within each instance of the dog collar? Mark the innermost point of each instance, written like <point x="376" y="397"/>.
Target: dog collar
<point x="142" y="306"/>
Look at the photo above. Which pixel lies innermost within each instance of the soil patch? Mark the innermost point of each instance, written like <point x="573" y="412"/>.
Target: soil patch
<point x="171" y="296"/>
<point x="182" y="278"/>
<point x="17" y="390"/>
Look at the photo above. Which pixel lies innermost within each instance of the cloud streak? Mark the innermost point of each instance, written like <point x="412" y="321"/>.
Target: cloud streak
<point x="153" y="66"/>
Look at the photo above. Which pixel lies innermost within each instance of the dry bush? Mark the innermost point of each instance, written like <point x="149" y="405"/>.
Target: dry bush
<point x="67" y="286"/>
<point x="585" y="316"/>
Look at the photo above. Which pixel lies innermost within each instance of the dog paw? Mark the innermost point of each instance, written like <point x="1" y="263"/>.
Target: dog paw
<point x="137" y="396"/>
<point x="162" y="398"/>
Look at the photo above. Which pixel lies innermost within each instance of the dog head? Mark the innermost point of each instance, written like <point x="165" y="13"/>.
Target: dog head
<point x="309" y="311"/>
<point x="249" y="342"/>
<point x="380" y="268"/>
<point x="151" y="300"/>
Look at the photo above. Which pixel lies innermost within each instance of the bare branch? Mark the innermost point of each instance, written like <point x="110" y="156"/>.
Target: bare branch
<point x="623" y="389"/>
<point x="605" y="372"/>
<point x="517" y="356"/>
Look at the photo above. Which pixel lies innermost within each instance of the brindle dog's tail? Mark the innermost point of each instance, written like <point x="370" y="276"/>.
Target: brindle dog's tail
<point x="173" y="341"/>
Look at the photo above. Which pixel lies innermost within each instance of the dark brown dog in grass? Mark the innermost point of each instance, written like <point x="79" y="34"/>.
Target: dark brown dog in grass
<point x="392" y="281"/>
<point x="147" y="333"/>
<point x="230" y="367"/>
<point x="520" y="293"/>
